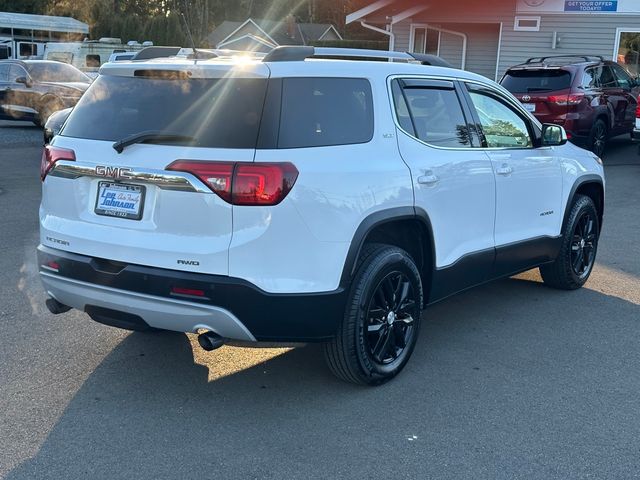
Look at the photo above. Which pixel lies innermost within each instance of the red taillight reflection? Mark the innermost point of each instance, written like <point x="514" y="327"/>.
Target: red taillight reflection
<point x="257" y="184"/>
<point x="50" y="155"/>
<point x="187" y="291"/>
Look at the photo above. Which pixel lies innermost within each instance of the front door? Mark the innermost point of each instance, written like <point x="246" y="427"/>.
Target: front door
<point x="453" y="180"/>
<point x="529" y="210"/>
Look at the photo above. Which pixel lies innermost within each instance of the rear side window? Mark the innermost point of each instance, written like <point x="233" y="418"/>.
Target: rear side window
<point x="531" y="81"/>
<point x="320" y="112"/>
<point x="216" y="113"/>
<point x="433" y="115"/>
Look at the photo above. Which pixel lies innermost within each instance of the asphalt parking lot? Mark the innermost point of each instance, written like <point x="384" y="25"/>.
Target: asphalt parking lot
<point x="510" y="380"/>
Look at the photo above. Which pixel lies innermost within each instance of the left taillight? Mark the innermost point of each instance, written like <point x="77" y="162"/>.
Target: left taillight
<point x="51" y="155"/>
<point x="246" y="184"/>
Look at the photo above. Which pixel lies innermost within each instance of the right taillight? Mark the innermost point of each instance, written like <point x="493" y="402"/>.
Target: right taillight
<point x="638" y="109"/>
<point x="248" y="184"/>
<point x="51" y="155"/>
<point x="566" y="100"/>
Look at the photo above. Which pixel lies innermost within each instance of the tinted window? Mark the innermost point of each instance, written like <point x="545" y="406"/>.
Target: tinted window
<point x="28" y="49"/>
<point x="223" y="113"/>
<point x="528" y="81"/>
<point x="56" y="72"/>
<point x="4" y="73"/>
<point x="16" y="71"/>
<point x="624" y="79"/>
<point x="319" y="112"/>
<point x="92" y="61"/>
<point x="501" y="125"/>
<point x="434" y="116"/>
<point x="591" y="78"/>
<point x="607" y="79"/>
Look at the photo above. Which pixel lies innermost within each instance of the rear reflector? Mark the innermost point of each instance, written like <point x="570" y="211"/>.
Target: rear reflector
<point x="573" y="99"/>
<point x="50" y="155"/>
<point x="187" y="291"/>
<point x="247" y="184"/>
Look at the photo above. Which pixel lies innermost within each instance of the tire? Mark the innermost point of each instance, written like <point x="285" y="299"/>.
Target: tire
<point x="598" y="137"/>
<point x="577" y="256"/>
<point x="382" y="318"/>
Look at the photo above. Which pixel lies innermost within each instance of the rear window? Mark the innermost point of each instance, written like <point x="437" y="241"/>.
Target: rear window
<point x="319" y="112"/>
<point x="217" y="113"/>
<point x="531" y="81"/>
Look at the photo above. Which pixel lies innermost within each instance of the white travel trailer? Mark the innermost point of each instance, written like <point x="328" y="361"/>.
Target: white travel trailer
<point x="89" y="55"/>
<point x="24" y="36"/>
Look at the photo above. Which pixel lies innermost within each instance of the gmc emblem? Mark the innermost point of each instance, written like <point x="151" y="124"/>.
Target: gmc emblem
<point x="113" y="172"/>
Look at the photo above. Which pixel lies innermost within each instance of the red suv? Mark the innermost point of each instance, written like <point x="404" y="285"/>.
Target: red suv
<point x="592" y="98"/>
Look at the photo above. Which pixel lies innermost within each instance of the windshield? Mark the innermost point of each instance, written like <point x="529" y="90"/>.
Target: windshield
<point x="216" y="113"/>
<point x="531" y="81"/>
<point x="56" y="72"/>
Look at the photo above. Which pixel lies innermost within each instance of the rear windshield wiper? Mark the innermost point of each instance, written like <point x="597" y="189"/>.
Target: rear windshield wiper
<point x="151" y="136"/>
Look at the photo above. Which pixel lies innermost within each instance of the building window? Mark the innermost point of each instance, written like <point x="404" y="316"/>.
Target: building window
<point x="527" y="24"/>
<point x="628" y="49"/>
<point x="426" y="40"/>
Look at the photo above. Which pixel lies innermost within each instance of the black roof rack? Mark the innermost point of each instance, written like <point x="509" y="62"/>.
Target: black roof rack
<point x="301" y="53"/>
<point x="586" y="58"/>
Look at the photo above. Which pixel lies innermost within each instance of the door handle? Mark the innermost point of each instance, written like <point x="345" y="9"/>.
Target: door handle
<point x="505" y="170"/>
<point x="428" y="179"/>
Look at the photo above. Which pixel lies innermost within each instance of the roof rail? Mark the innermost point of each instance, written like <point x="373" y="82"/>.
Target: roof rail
<point x="586" y="58"/>
<point x="298" y="54"/>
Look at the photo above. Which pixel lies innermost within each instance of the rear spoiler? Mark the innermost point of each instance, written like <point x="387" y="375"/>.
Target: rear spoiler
<point x="148" y="53"/>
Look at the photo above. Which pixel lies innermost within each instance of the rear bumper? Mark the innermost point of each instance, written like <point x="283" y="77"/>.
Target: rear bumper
<point x="128" y="296"/>
<point x="635" y="135"/>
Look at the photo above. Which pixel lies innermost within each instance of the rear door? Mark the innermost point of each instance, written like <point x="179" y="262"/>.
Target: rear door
<point x="164" y="219"/>
<point x="453" y="178"/>
<point x="616" y="98"/>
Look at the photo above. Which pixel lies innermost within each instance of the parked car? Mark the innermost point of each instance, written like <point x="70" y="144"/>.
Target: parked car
<point x="282" y="200"/>
<point x="592" y="98"/>
<point x="34" y="89"/>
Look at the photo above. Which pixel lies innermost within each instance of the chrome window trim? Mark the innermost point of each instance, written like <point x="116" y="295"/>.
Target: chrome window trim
<point x="166" y="180"/>
<point x="497" y="91"/>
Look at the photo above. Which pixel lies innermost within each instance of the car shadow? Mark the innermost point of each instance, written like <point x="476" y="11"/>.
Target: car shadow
<point x="505" y="365"/>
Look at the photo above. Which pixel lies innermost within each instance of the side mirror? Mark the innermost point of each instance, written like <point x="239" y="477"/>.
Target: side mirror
<point x="54" y="124"/>
<point x="553" y="135"/>
<point x="25" y="81"/>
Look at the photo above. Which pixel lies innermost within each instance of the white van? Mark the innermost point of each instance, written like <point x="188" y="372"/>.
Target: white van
<point x="21" y="49"/>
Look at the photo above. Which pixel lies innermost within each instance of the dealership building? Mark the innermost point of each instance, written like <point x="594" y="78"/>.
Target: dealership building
<point x="489" y="36"/>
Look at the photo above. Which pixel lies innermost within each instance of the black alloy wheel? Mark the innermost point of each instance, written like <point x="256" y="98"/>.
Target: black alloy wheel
<point x="390" y="322"/>
<point x="381" y="324"/>
<point x="583" y="245"/>
<point x="599" y="138"/>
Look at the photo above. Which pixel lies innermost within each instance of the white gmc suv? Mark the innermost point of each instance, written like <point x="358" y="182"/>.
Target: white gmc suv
<point x="313" y="195"/>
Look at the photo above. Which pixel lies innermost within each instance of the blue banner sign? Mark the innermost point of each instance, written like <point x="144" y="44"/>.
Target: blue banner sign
<point x="590" y="6"/>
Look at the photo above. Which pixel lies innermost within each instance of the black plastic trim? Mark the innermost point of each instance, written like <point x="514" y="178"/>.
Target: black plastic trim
<point x="583" y="180"/>
<point x="369" y="224"/>
<point x="269" y="317"/>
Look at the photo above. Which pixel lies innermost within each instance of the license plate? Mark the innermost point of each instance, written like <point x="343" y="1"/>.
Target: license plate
<point x="120" y="200"/>
<point x="530" y="107"/>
